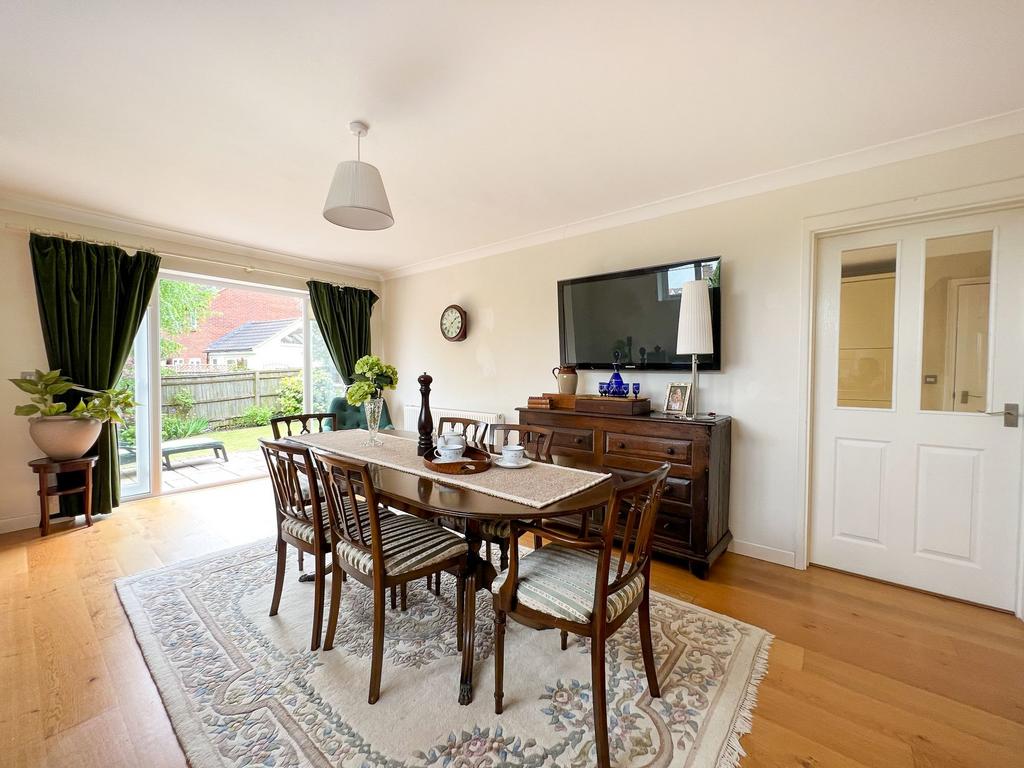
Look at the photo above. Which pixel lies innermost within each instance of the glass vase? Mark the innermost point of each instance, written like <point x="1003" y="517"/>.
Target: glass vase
<point x="373" y="408"/>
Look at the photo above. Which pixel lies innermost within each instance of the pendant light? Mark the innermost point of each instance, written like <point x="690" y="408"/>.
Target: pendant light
<point x="357" y="199"/>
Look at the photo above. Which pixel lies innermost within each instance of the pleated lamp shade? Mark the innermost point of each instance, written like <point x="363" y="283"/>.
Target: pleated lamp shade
<point x="357" y="199"/>
<point x="694" y="337"/>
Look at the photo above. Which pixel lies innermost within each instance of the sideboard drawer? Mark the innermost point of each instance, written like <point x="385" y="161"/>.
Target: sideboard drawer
<point x="573" y="439"/>
<point x="613" y="461"/>
<point x="660" y="448"/>
<point x="675" y="530"/>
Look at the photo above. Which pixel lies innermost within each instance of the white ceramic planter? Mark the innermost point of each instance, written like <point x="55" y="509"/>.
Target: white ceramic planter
<point x="62" y="437"/>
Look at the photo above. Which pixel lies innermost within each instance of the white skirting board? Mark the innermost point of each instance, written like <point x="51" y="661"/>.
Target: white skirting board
<point x="761" y="552"/>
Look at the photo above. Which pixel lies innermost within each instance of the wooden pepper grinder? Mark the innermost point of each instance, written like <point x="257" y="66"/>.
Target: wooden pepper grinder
<point x="425" y="424"/>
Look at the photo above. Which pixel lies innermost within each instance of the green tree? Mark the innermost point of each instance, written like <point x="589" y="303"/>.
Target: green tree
<point x="183" y="307"/>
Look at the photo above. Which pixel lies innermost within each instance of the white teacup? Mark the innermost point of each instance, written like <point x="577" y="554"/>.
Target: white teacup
<point x="451" y="446"/>
<point x="513" y="454"/>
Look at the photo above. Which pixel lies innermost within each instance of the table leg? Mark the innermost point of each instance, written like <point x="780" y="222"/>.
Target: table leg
<point x="468" y="639"/>
<point x="44" y="507"/>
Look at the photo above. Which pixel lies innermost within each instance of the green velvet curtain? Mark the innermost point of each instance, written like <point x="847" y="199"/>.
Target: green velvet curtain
<point x="92" y="299"/>
<point x="343" y="314"/>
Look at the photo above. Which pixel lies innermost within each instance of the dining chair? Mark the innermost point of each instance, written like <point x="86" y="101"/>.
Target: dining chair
<point x="302" y="424"/>
<point x="299" y="424"/>
<point x="536" y="442"/>
<point x="381" y="550"/>
<point x="475" y="431"/>
<point x="301" y="521"/>
<point x="580" y="585"/>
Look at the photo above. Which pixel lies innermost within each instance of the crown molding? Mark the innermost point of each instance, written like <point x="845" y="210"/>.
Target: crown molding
<point x="940" y="140"/>
<point x="168" y="237"/>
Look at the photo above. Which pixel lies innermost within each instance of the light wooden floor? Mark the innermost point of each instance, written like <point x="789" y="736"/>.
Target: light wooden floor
<point x="861" y="674"/>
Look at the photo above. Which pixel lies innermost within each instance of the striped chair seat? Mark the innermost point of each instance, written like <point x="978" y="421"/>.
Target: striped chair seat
<point x="409" y="544"/>
<point x="300" y="529"/>
<point x="559" y="581"/>
<point x="496" y="529"/>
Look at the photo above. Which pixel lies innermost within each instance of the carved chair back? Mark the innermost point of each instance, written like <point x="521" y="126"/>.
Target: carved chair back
<point x="293" y="497"/>
<point x="475" y="431"/>
<point x="630" y="515"/>
<point x="301" y="424"/>
<point x="347" y="486"/>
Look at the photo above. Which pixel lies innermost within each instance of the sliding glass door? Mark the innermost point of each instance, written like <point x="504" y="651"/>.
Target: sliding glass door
<point x="134" y="437"/>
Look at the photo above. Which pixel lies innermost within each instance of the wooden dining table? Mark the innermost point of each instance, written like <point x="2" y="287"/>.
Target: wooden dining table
<point x="430" y="498"/>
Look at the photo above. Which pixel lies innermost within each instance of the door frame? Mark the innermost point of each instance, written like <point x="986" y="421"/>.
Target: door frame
<point x="969" y="201"/>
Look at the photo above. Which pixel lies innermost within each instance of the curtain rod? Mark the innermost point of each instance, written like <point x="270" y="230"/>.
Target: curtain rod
<point x="248" y="269"/>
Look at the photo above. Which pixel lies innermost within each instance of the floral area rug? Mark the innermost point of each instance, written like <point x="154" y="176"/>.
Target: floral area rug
<point x="243" y="689"/>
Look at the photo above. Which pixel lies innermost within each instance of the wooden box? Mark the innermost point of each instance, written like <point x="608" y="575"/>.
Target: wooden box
<point x="615" y="406"/>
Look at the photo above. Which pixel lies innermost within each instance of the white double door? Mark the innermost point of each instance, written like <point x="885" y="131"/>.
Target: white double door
<point x="915" y="478"/>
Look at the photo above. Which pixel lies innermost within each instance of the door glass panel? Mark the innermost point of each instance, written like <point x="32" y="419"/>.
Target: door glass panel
<point x="326" y="383"/>
<point x="867" y="303"/>
<point x="954" y="345"/>
<point x="133" y="441"/>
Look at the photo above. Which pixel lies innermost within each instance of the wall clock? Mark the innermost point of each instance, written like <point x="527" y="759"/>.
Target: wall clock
<point x="453" y="323"/>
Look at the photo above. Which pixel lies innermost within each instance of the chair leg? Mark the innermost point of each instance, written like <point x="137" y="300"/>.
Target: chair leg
<point x="282" y="563"/>
<point x="499" y="661"/>
<point x="647" y="646"/>
<point x="377" y="660"/>
<point x="460" y="611"/>
<point x="503" y="549"/>
<point x="402" y="594"/>
<point x="437" y="583"/>
<point x="332" y="618"/>
<point x="488" y="551"/>
<point x="565" y="639"/>
<point x="537" y="543"/>
<point x="429" y="577"/>
<point x="394" y="598"/>
<point x="597" y="651"/>
<point x="300" y="560"/>
<point x="319" y="583"/>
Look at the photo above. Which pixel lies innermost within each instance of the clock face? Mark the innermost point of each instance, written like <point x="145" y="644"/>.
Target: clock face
<point x="453" y="323"/>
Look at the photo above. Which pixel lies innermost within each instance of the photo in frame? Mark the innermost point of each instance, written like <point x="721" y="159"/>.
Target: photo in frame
<point x="677" y="397"/>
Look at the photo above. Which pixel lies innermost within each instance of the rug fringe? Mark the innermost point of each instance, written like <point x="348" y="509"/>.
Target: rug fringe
<point x="733" y="750"/>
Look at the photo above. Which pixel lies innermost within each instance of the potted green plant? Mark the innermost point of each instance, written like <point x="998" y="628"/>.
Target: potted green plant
<point x="62" y="434"/>
<point x="370" y="378"/>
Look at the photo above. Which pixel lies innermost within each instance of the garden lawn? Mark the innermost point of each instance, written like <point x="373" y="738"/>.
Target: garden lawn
<point x="235" y="441"/>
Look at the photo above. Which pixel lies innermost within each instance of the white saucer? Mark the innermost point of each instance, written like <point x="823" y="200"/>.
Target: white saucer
<point x="509" y="465"/>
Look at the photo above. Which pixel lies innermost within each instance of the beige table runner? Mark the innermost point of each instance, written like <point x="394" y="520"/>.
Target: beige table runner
<point x="535" y="486"/>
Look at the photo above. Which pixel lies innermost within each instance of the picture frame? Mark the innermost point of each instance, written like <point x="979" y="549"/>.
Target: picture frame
<point x="677" y="397"/>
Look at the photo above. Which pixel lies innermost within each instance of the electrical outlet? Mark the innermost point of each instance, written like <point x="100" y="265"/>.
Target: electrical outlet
<point x="931" y="378"/>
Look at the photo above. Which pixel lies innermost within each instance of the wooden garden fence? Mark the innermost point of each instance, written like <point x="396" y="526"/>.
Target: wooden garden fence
<point x="222" y="397"/>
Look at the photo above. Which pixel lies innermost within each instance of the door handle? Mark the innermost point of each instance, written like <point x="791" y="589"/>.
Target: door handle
<point x="1010" y="414"/>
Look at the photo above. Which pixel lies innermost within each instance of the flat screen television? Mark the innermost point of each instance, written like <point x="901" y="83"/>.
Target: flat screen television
<point x="636" y="315"/>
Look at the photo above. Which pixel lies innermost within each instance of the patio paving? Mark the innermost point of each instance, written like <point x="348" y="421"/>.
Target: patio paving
<point x="206" y="470"/>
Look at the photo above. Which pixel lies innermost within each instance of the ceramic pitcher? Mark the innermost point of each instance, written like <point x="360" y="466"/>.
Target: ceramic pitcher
<point x="566" y="378"/>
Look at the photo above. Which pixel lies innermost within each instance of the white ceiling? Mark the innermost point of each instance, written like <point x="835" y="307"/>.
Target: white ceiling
<point x="488" y="121"/>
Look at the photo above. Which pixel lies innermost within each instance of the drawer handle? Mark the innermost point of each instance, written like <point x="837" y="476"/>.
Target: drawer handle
<point x="671" y="451"/>
<point x="622" y="445"/>
<point x="578" y="440"/>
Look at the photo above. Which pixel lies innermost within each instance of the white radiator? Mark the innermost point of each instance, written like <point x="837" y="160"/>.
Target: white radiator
<point x="411" y="414"/>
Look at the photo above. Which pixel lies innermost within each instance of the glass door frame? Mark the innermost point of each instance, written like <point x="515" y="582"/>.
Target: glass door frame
<point x="153" y="388"/>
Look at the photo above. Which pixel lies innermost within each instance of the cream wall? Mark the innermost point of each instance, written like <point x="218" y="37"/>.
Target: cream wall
<point x="513" y="325"/>
<point x="21" y="343"/>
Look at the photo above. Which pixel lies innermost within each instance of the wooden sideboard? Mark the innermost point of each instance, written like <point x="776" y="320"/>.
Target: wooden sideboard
<point x="693" y="521"/>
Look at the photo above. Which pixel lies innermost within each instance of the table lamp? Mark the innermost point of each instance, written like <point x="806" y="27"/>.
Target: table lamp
<point x="694" y="337"/>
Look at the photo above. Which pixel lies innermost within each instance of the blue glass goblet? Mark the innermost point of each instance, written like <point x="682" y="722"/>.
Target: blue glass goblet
<point x="602" y="388"/>
<point x="636" y="390"/>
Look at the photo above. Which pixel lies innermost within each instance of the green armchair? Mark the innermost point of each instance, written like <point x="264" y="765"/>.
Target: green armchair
<point x="353" y="417"/>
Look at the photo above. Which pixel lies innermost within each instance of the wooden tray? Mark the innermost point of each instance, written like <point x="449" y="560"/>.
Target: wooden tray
<point x="617" y="406"/>
<point x="474" y="461"/>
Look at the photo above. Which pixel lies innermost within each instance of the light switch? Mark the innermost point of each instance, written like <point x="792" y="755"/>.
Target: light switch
<point x="931" y="378"/>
